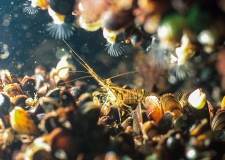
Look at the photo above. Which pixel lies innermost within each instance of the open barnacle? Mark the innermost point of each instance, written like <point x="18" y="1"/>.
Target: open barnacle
<point x="28" y="8"/>
<point x="114" y="48"/>
<point x="58" y="28"/>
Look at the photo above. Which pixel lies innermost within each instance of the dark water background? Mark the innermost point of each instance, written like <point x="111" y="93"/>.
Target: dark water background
<point x="30" y="45"/>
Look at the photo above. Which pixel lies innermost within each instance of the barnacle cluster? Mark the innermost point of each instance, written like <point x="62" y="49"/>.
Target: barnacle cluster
<point x="171" y="32"/>
<point x="47" y="116"/>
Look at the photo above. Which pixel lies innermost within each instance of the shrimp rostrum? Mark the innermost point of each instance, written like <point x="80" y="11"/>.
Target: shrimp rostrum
<point x="113" y="95"/>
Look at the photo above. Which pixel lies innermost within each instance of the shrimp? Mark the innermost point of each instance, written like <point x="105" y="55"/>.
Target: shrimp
<point x="115" y="95"/>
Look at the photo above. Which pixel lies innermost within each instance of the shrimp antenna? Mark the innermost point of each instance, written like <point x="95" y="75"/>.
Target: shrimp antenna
<point x="76" y="79"/>
<point x="122" y="74"/>
<point x="85" y="65"/>
<point x="78" y="71"/>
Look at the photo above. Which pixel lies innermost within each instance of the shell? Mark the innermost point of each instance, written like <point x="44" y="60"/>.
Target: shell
<point x="197" y="99"/>
<point x="91" y="112"/>
<point x="127" y="122"/>
<point x="28" y="85"/>
<point x="5" y="103"/>
<point x="48" y="104"/>
<point x="149" y="129"/>
<point x="62" y="7"/>
<point x="39" y="149"/>
<point x="64" y="68"/>
<point x="7" y="78"/>
<point x="200" y="128"/>
<point x="13" y="89"/>
<point x="170" y="103"/>
<point x="165" y="123"/>
<point x="154" y="110"/>
<point x="115" y="19"/>
<point x="22" y="123"/>
<point x="218" y="122"/>
<point x="61" y="139"/>
<point x="19" y="100"/>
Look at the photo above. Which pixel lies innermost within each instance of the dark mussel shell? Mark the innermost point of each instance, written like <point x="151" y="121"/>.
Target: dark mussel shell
<point x="54" y="94"/>
<point x="28" y="85"/>
<point x="53" y="120"/>
<point x="91" y="113"/>
<point x="46" y="105"/>
<point x="63" y="7"/>
<point x="206" y="112"/>
<point x="199" y="128"/>
<point x="61" y="140"/>
<point x="85" y="97"/>
<point x="165" y="123"/>
<point x="19" y="100"/>
<point x="115" y="19"/>
<point x="114" y="115"/>
<point x="5" y="104"/>
<point x="150" y="129"/>
<point x="75" y="92"/>
<point x="171" y="146"/>
<point x="136" y="37"/>
<point x="123" y="144"/>
<point x="185" y="122"/>
<point x="127" y="33"/>
<point x="67" y="100"/>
